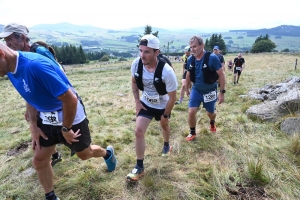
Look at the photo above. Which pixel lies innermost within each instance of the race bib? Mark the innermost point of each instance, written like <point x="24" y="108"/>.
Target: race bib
<point x="210" y="96"/>
<point x="238" y="68"/>
<point x="153" y="99"/>
<point x="50" y="118"/>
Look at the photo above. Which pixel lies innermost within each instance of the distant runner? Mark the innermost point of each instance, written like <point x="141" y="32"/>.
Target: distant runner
<point x="239" y="64"/>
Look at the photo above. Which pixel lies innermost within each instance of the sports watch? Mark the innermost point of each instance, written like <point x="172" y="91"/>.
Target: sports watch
<point x="222" y="91"/>
<point x="65" y="129"/>
<point x="166" y="116"/>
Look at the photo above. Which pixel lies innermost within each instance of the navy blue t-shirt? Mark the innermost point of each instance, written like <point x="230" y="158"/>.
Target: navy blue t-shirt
<point x="214" y="64"/>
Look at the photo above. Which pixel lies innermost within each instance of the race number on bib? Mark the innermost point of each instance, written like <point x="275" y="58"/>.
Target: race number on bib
<point x="50" y="118"/>
<point x="153" y="99"/>
<point x="238" y="68"/>
<point x="210" y="96"/>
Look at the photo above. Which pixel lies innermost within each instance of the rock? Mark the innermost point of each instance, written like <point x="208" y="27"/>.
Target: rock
<point x="278" y="100"/>
<point x="291" y="125"/>
<point x="266" y="111"/>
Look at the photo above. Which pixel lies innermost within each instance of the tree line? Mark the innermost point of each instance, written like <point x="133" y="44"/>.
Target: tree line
<point x="70" y="54"/>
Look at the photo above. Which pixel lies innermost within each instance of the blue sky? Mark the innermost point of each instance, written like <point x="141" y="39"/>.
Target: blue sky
<point x="169" y="14"/>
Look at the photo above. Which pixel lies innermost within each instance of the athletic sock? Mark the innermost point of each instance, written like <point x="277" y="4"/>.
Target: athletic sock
<point x="107" y="155"/>
<point x="166" y="144"/>
<point x="140" y="163"/>
<point x="50" y="196"/>
<point x="193" y="131"/>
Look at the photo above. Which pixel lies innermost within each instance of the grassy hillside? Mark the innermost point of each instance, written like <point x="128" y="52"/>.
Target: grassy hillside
<point x="243" y="159"/>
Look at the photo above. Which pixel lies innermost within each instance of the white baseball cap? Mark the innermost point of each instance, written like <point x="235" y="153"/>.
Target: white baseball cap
<point x="153" y="42"/>
<point x="187" y="49"/>
<point x="13" y="28"/>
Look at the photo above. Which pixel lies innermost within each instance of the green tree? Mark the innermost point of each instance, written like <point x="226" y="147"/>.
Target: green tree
<point x="105" y="58"/>
<point x="82" y="55"/>
<point x="263" y="44"/>
<point x="147" y="30"/>
<point x="216" y="40"/>
<point x="261" y="38"/>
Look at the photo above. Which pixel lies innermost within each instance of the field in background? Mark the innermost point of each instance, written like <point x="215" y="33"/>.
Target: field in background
<point x="111" y="40"/>
<point x="244" y="157"/>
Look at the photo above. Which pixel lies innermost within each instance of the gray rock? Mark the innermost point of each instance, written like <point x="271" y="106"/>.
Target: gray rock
<point x="266" y="111"/>
<point x="290" y="125"/>
<point x="279" y="100"/>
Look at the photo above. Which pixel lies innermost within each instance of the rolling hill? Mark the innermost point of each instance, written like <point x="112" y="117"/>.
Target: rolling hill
<point x="98" y="39"/>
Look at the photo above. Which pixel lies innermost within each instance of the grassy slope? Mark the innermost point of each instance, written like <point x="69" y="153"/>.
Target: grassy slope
<point x="196" y="170"/>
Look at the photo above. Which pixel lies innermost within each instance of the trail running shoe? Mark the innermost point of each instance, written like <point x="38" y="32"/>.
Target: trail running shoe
<point x="190" y="137"/>
<point x="56" y="160"/>
<point x="166" y="151"/>
<point x="135" y="174"/>
<point x="111" y="162"/>
<point x="177" y="102"/>
<point x="213" y="127"/>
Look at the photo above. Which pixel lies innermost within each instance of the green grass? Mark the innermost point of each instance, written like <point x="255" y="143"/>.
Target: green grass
<point x="256" y="154"/>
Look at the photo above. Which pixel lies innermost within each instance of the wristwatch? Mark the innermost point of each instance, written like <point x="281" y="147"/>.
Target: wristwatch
<point x="166" y="116"/>
<point x="222" y="91"/>
<point x="65" y="129"/>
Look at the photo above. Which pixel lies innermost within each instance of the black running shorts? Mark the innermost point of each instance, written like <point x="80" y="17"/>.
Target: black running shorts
<point x="55" y="136"/>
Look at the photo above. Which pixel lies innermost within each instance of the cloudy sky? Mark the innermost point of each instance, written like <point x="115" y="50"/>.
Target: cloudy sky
<point x="207" y="15"/>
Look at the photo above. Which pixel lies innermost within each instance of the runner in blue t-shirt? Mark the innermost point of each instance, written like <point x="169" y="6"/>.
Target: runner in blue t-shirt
<point x="56" y="113"/>
<point x="202" y="92"/>
<point x="15" y="37"/>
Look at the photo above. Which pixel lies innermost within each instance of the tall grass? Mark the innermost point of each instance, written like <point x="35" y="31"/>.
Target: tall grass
<point x="242" y="152"/>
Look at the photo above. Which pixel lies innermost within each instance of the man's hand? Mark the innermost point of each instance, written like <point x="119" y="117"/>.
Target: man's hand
<point x="70" y="136"/>
<point x="138" y="107"/>
<point x="220" y="98"/>
<point x="187" y="91"/>
<point x="36" y="133"/>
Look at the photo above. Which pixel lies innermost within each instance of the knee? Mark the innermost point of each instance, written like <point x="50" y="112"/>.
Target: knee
<point x="139" y="133"/>
<point x="40" y="163"/>
<point x="192" y="112"/>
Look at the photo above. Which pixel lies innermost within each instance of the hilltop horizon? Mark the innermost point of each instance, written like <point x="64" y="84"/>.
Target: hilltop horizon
<point x="94" y="38"/>
<point x="157" y="28"/>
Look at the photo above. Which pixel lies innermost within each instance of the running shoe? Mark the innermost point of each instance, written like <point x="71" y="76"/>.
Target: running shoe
<point x="213" y="127"/>
<point x="190" y="137"/>
<point x="56" y="160"/>
<point x="177" y="102"/>
<point x="135" y="174"/>
<point x="111" y="162"/>
<point x="166" y="151"/>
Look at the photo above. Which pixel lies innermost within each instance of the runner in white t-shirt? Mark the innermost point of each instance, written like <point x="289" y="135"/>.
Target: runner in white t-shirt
<point x="156" y="101"/>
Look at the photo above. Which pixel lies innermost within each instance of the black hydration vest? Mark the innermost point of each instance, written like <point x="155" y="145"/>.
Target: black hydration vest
<point x="210" y="76"/>
<point x="157" y="80"/>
